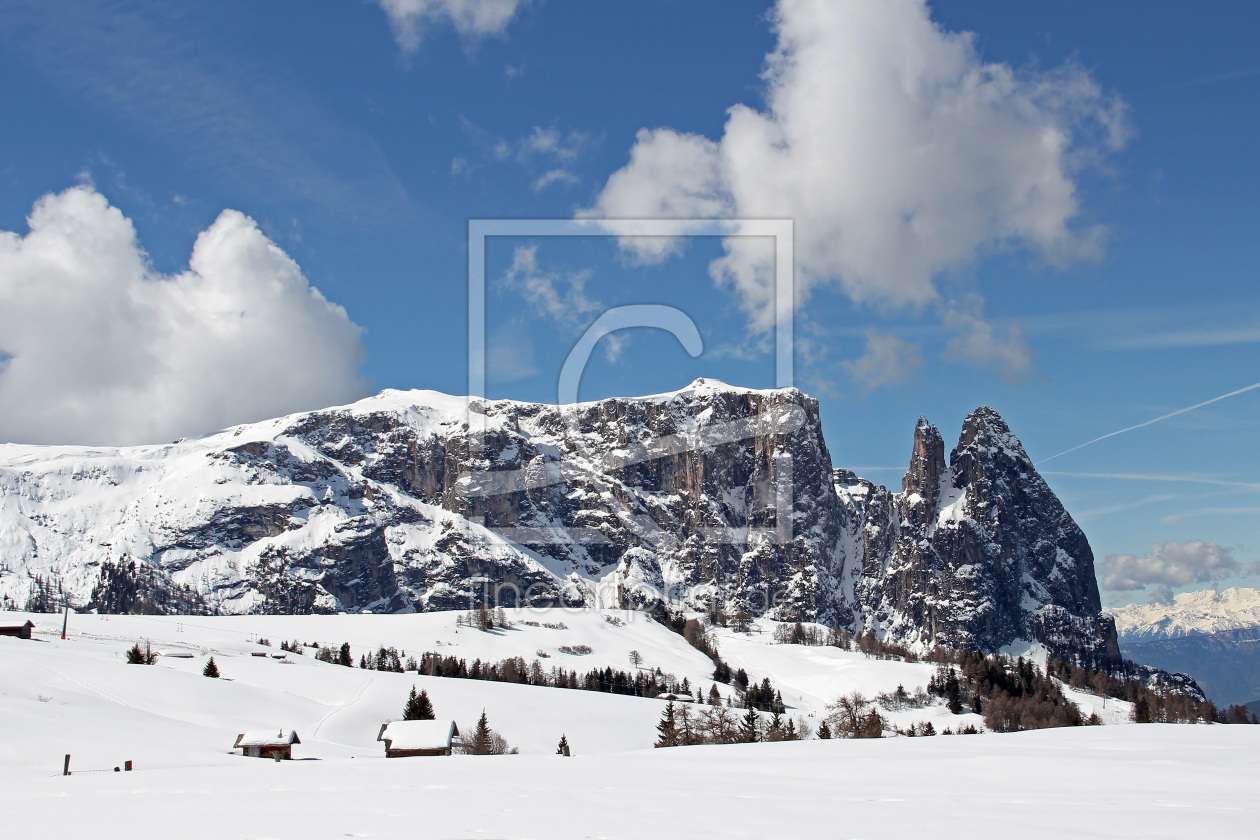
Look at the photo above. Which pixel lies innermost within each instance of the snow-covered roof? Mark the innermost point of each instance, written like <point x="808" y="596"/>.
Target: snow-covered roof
<point x="682" y="698"/>
<point x="267" y="738"/>
<point x="418" y="734"/>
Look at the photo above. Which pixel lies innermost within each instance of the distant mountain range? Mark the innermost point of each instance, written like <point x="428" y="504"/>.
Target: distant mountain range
<point x="418" y="501"/>
<point x="1213" y="635"/>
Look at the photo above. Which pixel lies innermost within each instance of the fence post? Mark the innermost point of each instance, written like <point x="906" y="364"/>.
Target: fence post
<point x="65" y="771"/>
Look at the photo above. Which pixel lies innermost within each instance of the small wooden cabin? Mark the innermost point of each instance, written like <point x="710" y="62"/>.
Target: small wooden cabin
<point x="21" y="631"/>
<point x="267" y="744"/>
<point x="418" y="737"/>
<point x="677" y="698"/>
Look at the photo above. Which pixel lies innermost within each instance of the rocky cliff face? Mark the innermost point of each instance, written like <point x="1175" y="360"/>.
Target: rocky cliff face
<point x="978" y="554"/>
<point x="420" y="501"/>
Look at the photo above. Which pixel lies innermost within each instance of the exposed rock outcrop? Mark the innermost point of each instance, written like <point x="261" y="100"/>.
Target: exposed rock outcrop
<point x="420" y="501"/>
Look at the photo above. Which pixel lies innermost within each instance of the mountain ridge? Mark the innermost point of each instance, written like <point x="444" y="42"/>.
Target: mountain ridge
<point x="416" y="500"/>
<point x="1190" y="613"/>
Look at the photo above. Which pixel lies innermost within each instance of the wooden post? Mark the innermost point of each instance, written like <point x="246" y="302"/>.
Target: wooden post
<point x="127" y="766"/>
<point x="64" y="622"/>
<point x="65" y="771"/>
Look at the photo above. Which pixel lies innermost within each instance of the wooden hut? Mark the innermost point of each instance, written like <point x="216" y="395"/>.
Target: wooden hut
<point x="21" y="631"/>
<point x="677" y="698"/>
<point x="418" y="737"/>
<point x="267" y="744"/>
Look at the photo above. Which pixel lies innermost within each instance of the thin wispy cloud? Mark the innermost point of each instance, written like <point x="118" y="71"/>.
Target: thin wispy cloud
<point x="1103" y="511"/>
<point x="548" y="154"/>
<point x="1217" y="78"/>
<point x="561" y="296"/>
<point x="1156" y="420"/>
<point x="1216" y="511"/>
<point x="472" y="19"/>
<point x="1188" y="479"/>
<point x="887" y="360"/>
<point x="223" y="112"/>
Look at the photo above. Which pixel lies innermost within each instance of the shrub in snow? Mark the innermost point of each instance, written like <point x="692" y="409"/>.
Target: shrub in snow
<point x="853" y="716"/>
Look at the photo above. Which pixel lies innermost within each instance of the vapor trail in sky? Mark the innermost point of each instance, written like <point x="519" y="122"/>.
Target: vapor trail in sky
<point x="1156" y="420"/>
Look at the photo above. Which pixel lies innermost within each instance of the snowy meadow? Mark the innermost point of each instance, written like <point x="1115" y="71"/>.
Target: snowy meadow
<point x="79" y="696"/>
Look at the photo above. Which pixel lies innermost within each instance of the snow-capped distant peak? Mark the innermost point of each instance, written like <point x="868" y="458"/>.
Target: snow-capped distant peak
<point x="1190" y="613"/>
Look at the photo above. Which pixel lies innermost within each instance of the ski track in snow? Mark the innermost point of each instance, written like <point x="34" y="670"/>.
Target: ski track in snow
<point x="355" y="699"/>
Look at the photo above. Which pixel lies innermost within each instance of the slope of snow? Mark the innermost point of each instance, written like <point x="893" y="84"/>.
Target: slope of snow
<point x="1190" y="613"/>
<point x="95" y="699"/>
<point x="78" y="696"/>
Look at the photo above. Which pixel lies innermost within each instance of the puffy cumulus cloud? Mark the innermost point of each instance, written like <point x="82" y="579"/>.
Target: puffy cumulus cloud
<point x="103" y="350"/>
<point x="471" y="18"/>
<point x="1170" y="565"/>
<point x="899" y="152"/>
<point x="887" y="360"/>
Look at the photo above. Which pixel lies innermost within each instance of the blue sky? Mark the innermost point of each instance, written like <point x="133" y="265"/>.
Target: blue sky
<point x="362" y="154"/>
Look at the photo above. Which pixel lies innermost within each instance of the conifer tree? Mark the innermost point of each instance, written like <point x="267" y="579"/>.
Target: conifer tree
<point x="775" y="731"/>
<point x="749" y="727"/>
<point x="141" y="655"/>
<point x="343" y="656"/>
<point x="824" y="731"/>
<point x="563" y="749"/>
<point x="211" y="670"/>
<point x="953" y="702"/>
<point x="418" y="706"/>
<point x="715" y="697"/>
<point x="480" y="743"/>
<point x="1141" y="712"/>
<point x="667" y="729"/>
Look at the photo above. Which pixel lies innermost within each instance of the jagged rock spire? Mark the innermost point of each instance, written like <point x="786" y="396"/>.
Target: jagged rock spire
<point x="921" y="485"/>
<point x="979" y="555"/>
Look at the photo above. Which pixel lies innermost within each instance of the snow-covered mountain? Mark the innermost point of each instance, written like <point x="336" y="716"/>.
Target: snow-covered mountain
<point x="1213" y="635"/>
<point x="416" y="501"/>
<point x="1190" y="613"/>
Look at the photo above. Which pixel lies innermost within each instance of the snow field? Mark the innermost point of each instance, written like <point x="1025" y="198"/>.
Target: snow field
<point x="78" y="696"/>
<point x="1090" y="782"/>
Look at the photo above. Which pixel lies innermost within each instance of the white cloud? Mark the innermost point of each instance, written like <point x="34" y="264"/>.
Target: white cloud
<point x="560" y="297"/>
<point x="553" y="176"/>
<point x="547" y="149"/>
<point x="1001" y="348"/>
<point x="887" y="360"/>
<point x="1172" y="564"/>
<point x="105" y="350"/>
<point x="899" y="152"/>
<point x="472" y="19"/>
